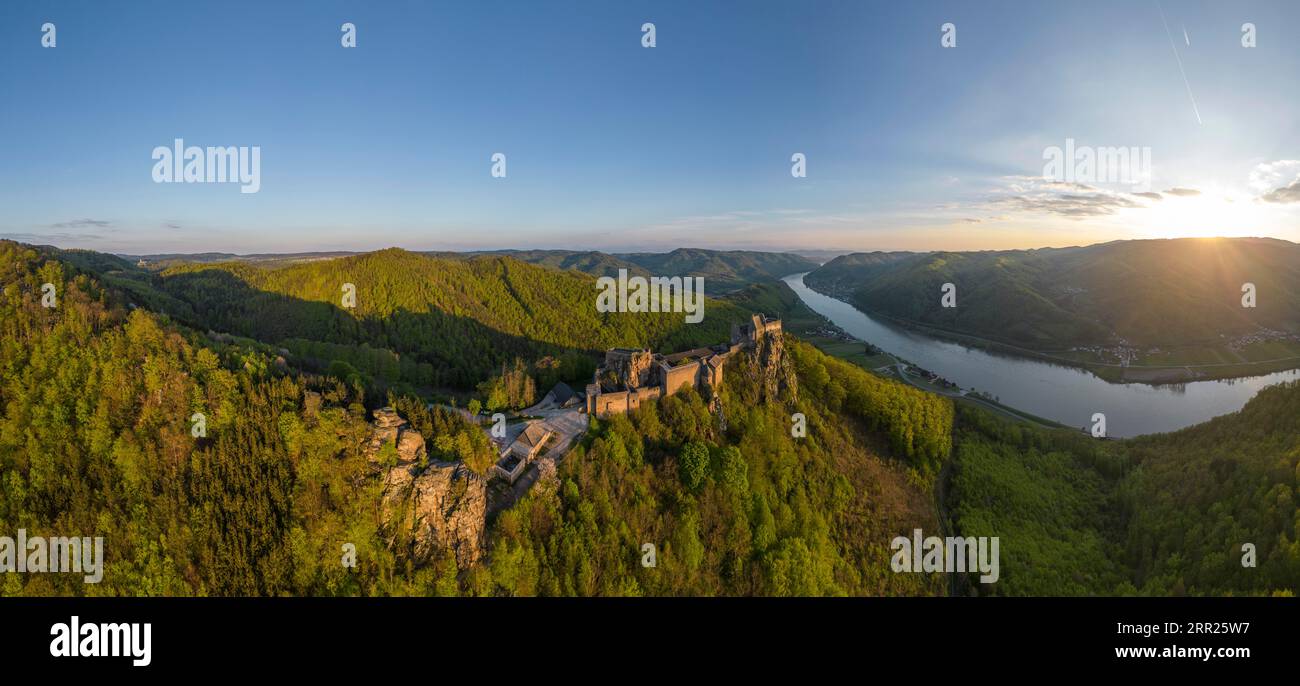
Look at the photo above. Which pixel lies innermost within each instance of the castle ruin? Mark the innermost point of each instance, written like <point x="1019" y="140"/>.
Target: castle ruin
<point x="631" y="377"/>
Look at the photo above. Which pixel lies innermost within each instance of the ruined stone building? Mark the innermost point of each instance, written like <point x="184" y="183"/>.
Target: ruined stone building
<point x="630" y="377"/>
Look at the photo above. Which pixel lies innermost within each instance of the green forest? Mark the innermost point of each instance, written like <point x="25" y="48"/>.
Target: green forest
<point x="421" y="321"/>
<point x="211" y="423"/>
<point x="749" y="510"/>
<point x="1164" y="514"/>
<point x="723" y="271"/>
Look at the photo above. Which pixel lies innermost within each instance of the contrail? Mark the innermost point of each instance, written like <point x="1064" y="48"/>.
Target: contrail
<point x="1186" y="40"/>
<point x="1191" y="97"/>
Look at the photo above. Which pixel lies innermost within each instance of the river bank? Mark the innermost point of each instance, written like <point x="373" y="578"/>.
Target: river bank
<point x="1152" y="374"/>
<point x="1065" y="394"/>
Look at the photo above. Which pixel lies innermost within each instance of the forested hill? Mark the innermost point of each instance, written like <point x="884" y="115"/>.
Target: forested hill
<point x="100" y="398"/>
<point x="591" y="262"/>
<point x="456" y="320"/>
<point x="1198" y="495"/>
<point x="99" y="404"/>
<point x="843" y="275"/>
<point x="724" y="271"/>
<point x="745" y="508"/>
<point x="1166" y="514"/>
<point x="1145" y="292"/>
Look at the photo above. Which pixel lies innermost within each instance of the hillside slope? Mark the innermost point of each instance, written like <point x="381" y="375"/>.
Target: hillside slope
<point x="1146" y="293"/>
<point x="100" y="415"/>
<point x="723" y="271"/>
<point x="1198" y="495"/>
<point x="591" y="262"/>
<point x="96" y="435"/>
<point x="98" y="407"/>
<point x="745" y="510"/>
<point x="451" y="321"/>
<point x="1165" y="514"/>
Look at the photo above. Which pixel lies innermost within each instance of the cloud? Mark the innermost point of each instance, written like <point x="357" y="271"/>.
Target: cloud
<point x="1183" y="192"/>
<point x="1070" y="186"/>
<point x="83" y="224"/>
<point x="1278" y="181"/>
<point x="1285" y="194"/>
<point x="1269" y="176"/>
<point x="1151" y="196"/>
<point x="43" y="238"/>
<point x="1074" y="205"/>
<point x="1067" y="199"/>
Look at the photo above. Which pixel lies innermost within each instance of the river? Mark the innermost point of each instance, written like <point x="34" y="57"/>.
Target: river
<point x="1064" y="394"/>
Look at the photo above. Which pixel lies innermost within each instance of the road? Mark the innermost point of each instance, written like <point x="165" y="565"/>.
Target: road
<point x="900" y="368"/>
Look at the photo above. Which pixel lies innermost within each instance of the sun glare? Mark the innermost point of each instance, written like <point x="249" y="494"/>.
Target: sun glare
<point x="1205" y="215"/>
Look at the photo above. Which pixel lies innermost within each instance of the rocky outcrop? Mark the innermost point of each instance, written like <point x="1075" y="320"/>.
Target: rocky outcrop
<point x="442" y="509"/>
<point x="428" y="509"/>
<point x="768" y="370"/>
<point x="410" y="447"/>
<point x="773" y="371"/>
<point x="776" y="370"/>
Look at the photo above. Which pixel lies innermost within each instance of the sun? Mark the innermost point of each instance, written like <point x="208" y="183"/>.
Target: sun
<point x="1204" y="215"/>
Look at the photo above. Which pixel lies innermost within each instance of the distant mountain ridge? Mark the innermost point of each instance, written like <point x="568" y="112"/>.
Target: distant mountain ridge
<point x="465" y="317"/>
<point x="724" y="271"/>
<point x="1142" y="292"/>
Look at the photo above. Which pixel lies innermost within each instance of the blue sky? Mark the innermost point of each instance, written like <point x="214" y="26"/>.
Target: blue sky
<point x="614" y="146"/>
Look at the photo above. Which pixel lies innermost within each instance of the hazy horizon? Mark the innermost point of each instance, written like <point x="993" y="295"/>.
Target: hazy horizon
<point x="810" y="253"/>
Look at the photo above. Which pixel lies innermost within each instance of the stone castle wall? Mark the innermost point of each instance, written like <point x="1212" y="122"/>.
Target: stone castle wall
<point x="645" y="376"/>
<point x="676" y="377"/>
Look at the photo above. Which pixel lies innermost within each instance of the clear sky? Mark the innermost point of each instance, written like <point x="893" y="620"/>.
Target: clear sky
<point x="614" y="146"/>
